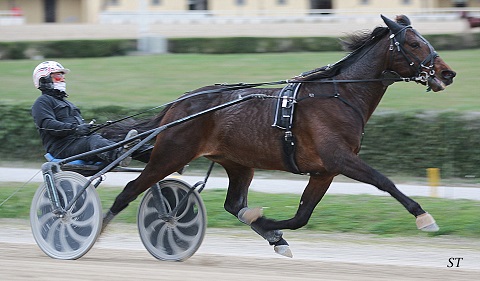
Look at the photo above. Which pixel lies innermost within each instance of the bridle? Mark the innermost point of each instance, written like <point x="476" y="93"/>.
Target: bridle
<point x="424" y="69"/>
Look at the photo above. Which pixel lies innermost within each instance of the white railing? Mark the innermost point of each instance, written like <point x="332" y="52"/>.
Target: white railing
<point x="11" y="18"/>
<point x="265" y="16"/>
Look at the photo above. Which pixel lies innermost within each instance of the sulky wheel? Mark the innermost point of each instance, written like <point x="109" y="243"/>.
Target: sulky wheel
<point x="71" y="235"/>
<point x="168" y="234"/>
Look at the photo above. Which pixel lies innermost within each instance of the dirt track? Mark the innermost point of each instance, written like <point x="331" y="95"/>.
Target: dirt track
<point x="241" y="255"/>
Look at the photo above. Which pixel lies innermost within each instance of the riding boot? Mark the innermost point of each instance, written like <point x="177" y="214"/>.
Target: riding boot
<point x="125" y="162"/>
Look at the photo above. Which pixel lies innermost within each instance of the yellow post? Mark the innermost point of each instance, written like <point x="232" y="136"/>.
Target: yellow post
<point x="433" y="175"/>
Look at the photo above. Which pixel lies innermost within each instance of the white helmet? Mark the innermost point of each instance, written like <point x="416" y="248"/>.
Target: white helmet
<point x="46" y="68"/>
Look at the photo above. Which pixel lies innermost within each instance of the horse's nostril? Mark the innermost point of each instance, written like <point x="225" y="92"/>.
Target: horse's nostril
<point x="448" y="74"/>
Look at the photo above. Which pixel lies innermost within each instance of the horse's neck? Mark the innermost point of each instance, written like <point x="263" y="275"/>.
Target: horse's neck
<point x="365" y="96"/>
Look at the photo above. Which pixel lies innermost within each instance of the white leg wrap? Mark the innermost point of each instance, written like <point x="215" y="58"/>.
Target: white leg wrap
<point x="426" y="222"/>
<point x="249" y="215"/>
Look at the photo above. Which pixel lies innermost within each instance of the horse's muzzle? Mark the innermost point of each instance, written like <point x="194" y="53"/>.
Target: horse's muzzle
<point x="445" y="78"/>
<point x="448" y="76"/>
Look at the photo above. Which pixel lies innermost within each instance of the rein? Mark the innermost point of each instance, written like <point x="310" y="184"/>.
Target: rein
<point x="228" y="87"/>
<point x="388" y="77"/>
<point x="239" y="86"/>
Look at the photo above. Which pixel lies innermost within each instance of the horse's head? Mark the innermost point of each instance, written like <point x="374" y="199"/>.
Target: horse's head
<point x="413" y="56"/>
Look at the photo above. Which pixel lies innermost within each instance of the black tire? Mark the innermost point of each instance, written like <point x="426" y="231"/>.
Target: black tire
<point x="177" y="238"/>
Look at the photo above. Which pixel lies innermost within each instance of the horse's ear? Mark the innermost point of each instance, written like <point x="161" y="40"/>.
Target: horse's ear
<point x="393" y="26"/>
<point x="403" y="20"/>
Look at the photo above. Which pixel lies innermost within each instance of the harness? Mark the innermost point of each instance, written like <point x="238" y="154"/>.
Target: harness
<point x="283" y="119"/>
<point x="287" y="97"/>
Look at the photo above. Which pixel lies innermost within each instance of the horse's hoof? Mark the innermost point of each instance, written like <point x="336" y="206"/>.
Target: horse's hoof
<point x="425" y="222"/>
<point x="431" y="228"/>
<point x="249" y="215"/>
<point x="107" y="218"/>
<point x="283" y="250"/>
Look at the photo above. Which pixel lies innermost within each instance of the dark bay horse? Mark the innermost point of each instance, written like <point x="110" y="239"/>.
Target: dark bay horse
<point x="332" y="106"/>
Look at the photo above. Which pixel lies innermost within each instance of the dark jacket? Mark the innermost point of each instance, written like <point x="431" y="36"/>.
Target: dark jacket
<point x="56" y="120"/>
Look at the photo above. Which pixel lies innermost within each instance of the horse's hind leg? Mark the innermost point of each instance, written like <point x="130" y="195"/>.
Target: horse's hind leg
<point x="154" y="171"/>
<point x="355" y="168"/>
<point x="147" y="178"/>
<point x="236" y="203"/>
<point x="313" y="193"/>
<point x="239" y="179"/>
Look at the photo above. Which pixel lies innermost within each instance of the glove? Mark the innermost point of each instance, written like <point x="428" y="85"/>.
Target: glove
<point x="82" y="129"/>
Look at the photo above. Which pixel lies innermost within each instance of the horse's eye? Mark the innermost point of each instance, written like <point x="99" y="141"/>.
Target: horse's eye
<point x="415" y="44"/>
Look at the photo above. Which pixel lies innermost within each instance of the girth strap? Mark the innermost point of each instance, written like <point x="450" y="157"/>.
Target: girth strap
<point x="283" y="119"/>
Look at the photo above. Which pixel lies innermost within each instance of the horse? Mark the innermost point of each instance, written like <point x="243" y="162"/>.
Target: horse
<point x="331" y="108"/>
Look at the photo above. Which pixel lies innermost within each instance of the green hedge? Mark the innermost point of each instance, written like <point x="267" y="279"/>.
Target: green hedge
<point x="411" y="142"/>
<point x="394" y="143"/>
<point x="66" y="49"/>
<point x="252" y="45"/>
<point x="226" y="45"/>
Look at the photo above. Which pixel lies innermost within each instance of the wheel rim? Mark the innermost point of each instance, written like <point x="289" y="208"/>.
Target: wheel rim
<point x="178" y="237"/>
<point x="70" y="236"/>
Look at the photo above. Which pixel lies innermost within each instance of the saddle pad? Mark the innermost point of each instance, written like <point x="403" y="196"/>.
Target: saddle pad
<point x="283" y="115"/>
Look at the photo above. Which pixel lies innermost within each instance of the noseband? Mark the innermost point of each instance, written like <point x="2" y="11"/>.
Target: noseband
<point x="424" y="69"/>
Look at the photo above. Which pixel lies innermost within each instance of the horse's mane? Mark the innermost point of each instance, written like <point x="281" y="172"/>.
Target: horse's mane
<point x="356" y="44"/>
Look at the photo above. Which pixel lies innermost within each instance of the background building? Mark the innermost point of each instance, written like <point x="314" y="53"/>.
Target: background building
<point x="111" y="11"/>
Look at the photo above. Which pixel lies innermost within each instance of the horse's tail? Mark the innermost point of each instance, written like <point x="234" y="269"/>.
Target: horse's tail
<point x="117" y="131"/>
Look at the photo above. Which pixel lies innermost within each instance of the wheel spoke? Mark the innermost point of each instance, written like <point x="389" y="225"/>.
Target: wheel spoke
<point x="190" y="223"/>
<point x="173" y="243"/>
<point x="75" y="236"/>
<point x="50" y="238"/>
<point x="82" y="223"/>
<point x="185" y="209"/>
<point x="157" y="224"/>
<point x="168" y="206"/>
<point x="63" y="239"/>
<point x="161" y="233"/>
<point x="184" y="236"/>
<point x="42" y="220"/>
<point x="83" y="206"/>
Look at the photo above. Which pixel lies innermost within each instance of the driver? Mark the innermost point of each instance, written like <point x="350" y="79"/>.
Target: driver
<point x="62" y="129"/>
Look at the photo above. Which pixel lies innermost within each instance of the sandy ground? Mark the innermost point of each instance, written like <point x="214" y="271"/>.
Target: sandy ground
<point x="242" y="255"/>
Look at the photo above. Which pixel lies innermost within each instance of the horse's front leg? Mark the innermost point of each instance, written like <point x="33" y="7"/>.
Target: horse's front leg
<point x="355" y="168"/>
<point x="270" y="229"/>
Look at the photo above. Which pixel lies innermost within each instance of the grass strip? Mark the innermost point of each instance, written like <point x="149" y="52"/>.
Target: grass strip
<point x="366" y="214"/>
